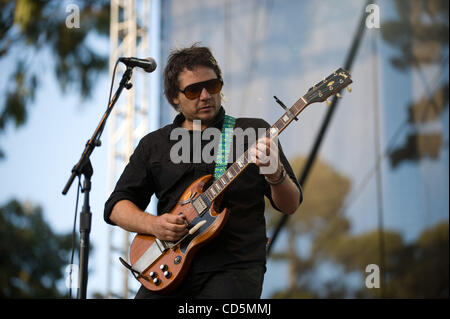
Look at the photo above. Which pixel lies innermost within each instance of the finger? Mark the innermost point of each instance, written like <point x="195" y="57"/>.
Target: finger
<point x="179" y="219"/>
<point x="172" y="236"/>
<point x="265" y="147"/>
<point x="173" y="230"/>
<point x="177" y="223"/>
<point x="263" y="144"/>
<point x="269" y="146"/>
<point x="272" y="149"/>
<point x="176" y="228"/>
<point x="257" y="157"/>
<point x="261" y="158"/>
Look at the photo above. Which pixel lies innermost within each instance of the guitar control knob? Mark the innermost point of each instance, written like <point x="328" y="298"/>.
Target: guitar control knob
<point x="156" y="281"/>
<point x="167" y="274"/>
<point x="163" y="267"/>
<point x="153" y="274"/>
<point x="177" y="260"/>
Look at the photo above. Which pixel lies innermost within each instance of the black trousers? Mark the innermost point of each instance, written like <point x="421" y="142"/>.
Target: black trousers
<point x="225" y="284"/>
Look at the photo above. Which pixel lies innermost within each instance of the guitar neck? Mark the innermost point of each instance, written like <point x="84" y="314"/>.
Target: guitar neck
<point x="242" y="163"/>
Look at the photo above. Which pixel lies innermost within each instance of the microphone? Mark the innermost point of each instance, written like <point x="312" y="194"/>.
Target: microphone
<point x="148" y="64"/>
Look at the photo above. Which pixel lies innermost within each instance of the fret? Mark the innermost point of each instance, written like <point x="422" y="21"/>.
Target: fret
<point x="233" y="169"/>
<point x="285" y="120"/>
<point x="217" y="188"/>
<point x="245" y="157"/>
<point x="230" y="173"/>
<point x="224" y="181"/>
<point x="208" y="195"/>
<point x="224" y="178"/>
<point x="236" y="169"/>
<point x="273" y="131"/>
<point x="297" y="107"/>
<point x="244" y="160"/>
<point x="240" y="164"/>
<point x="279" y="125"/>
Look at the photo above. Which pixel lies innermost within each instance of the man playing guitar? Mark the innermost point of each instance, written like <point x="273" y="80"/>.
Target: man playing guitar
<point x="232" y="265"/>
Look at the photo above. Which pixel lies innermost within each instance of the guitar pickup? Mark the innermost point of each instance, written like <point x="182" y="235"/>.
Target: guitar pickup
<point x="199" y="205"/>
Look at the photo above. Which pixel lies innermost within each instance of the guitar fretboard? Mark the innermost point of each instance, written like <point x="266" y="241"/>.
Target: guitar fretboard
<point x="243" y="161"/>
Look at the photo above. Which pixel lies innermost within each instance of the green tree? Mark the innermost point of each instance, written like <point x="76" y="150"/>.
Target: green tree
<point x="33" y="29"/>
<point x="33" y="257"/>
<point x="419" y="269"/>
<point x="423" y="267"/>
<point x="324" y="194"/>
<point x="413" y="270"/>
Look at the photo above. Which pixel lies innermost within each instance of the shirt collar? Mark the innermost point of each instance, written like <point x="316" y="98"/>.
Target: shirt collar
<point x="217" y="122"/>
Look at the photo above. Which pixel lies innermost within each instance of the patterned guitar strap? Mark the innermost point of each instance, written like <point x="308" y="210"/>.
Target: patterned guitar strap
<point x="224" y="146"/>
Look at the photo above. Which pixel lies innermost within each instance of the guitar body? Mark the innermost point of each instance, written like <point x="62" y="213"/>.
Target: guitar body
<point x="169" y="269"/>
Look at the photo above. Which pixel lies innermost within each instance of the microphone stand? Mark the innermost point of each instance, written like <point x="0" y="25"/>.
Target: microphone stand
<point x="84" y="167"/>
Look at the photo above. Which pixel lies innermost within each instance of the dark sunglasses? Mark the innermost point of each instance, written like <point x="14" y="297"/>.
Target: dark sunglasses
<point x="194" y="90"/>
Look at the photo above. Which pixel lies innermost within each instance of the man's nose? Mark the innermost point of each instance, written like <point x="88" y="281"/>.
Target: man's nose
<point x="205" y="94"/>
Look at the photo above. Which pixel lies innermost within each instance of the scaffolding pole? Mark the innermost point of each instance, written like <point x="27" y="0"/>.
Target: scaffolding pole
<point x="134" y="115"/>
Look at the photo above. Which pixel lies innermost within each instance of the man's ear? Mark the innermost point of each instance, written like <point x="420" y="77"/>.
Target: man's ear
<point x="176" y="101"/>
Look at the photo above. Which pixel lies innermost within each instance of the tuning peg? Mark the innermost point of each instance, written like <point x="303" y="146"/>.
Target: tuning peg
<point x="349" y="89"/>
<point x="338" y="95"/>
<point x="328" y="102"/>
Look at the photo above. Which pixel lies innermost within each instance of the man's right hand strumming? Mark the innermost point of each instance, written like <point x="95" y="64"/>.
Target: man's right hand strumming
<point x="167" y="227"/>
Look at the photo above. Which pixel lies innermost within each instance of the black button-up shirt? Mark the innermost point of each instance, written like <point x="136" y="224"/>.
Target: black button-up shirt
<point x="242" y="241"/>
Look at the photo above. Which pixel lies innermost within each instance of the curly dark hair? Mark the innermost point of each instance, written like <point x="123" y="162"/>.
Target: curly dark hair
<point x="186" y="58"/>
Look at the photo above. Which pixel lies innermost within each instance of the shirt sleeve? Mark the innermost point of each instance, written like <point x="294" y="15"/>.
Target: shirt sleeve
<point x="134" y="184"/>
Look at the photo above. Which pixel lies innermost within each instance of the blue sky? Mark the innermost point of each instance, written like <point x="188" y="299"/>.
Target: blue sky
<point x="41" y="154"/>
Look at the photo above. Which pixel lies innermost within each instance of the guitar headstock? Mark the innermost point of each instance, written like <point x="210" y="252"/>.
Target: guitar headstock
<point x="329" y="86"/>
